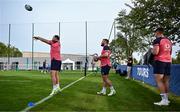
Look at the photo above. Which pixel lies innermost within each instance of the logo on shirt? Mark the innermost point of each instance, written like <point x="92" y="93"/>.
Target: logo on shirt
<point x="167" y="47"/>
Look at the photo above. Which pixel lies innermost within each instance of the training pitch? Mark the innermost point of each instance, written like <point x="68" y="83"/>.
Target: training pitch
<point x="20" y="88"/>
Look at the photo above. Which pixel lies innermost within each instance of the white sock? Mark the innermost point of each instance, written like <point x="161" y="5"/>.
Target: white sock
<point x="57" y="86"/>
<point x="104" y="89"/>
<point x="54" y="87"/>
<point x="163" y="96"/>
<point x="166" y="96"/>
<point x="112" y="88"/>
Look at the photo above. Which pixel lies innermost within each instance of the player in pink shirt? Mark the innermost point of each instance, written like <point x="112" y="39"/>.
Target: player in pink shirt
<point x="162" y="49"/>
<point x="55" y="60"/>
<point x="105" y="68"/>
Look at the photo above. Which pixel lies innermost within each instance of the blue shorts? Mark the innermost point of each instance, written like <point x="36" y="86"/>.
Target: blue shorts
<point x="56" y="65"/>
<point x="162" y="67"/>
<point x="105" y="70"/>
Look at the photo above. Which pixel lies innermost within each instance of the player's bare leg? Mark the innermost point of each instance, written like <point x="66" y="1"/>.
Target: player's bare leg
<point x="109" y="83"/>
<point x="57" y="81"/>
<point x="53" y="78"/>
<point x="161" y="86"/>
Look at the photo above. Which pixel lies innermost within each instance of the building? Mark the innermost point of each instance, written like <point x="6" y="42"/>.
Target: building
<point x="69" y="61"/>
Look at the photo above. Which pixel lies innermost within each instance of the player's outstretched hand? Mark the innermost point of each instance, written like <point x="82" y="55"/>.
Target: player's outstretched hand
<point x="35" y="37"/>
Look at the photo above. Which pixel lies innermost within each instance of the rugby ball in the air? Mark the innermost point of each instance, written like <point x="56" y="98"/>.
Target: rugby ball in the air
<point x="28" y="7"/>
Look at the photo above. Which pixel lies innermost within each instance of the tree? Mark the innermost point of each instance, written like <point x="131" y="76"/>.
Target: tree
<point x="3" y="50"/>
<point x="137" y="27"/>
<point x="118" y="48"/>
<point x="177" y="59"/>
<point x="147" y="15"/>
<point x="128" y="40"/>
<point x="12" y="51"/>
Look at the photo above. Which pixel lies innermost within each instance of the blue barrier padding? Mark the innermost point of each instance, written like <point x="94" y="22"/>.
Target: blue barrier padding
<point x="145" y="73"/>
<point x="175" y="79"/>
<point x="121" y="67"/>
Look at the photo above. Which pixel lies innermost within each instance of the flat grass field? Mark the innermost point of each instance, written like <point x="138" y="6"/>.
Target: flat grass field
<point x="18" y="88"/>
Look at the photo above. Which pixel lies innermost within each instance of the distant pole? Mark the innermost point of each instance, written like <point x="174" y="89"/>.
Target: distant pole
<point x="85" y="73"/>
<point x="114" y="29"/>
<point x="111" y="31"/>
<point x="9" y="45"/>
<point x="59" y="29"/>
<point x="32" y="46"/>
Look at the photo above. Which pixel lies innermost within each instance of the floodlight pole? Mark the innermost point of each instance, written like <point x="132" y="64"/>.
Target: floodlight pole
<point x="9" y="44"/>
<point x="111" y="31"/>
<point x="85" y="71"/>
<point x="32" y="46"/>
<point x="114" y="29"/>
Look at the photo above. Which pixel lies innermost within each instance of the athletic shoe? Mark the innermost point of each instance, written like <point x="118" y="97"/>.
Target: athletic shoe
<point x="127" y="78"/>
<point x="169" y="101"/>
<point x="55" y="91"/>
<point x="113" y="92"/>
<point x="162" y="103"/>
<point x="58" y="90"/>
<point x="101" y="93"/>
<point x="52" y="93"/>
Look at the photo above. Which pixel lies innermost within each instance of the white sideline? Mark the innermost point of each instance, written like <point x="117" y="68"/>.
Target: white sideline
<point x="48" y="97"/>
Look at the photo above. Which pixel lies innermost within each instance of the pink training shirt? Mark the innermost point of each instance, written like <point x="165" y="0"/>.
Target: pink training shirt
<point x="106" y="61"/>
<point x="55" y="51"/>
<point x="165" y="49"/>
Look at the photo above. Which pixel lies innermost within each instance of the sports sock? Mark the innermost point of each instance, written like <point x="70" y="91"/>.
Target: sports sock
<point x="112" y="88"/>
<point x="104" y="89"/>
<point x="54" y="87"/>
<point x="57" y="86"/>
<point x="163" y="96"/>
<point x="166" y="96"/>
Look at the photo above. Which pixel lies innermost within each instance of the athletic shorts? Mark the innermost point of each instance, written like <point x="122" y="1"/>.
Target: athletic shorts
<point x="162" y="67"/>
<point x="56" y="65"/>
<point x="44" y="67"/>
<point x="105" y="70"/>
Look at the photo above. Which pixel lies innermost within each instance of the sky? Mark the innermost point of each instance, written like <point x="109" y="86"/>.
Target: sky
<point x="71" y="14"/>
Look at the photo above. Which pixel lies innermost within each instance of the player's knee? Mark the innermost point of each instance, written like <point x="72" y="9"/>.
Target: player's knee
<point x="104" y="79"/>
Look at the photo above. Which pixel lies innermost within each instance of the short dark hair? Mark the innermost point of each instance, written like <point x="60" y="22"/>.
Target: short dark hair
<point x="160" y="29"/>
<point x="107" y="41"/>
<point x="56" y="36"/>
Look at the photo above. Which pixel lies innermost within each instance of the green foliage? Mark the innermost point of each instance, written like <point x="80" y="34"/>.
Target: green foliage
<point x="128" y="40"/>
<point x="135" y="62"/>
<point x="150" y="14"/>
<point x="177" y="59"/>
<point x="137" y="27"/>
<point x="12" y="51"/>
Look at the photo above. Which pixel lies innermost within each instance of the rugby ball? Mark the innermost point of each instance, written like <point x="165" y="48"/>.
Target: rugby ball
<point x="28" y="7"/>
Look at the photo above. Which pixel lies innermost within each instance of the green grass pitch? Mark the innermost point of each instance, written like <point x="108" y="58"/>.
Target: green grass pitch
<point x="18" y="88"/>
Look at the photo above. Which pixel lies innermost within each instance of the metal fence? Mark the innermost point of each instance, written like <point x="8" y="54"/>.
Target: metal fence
<point x="82" y="38"/>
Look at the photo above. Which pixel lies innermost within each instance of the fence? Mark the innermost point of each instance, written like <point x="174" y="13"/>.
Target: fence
<point x="80" y="38"/>
<point x="38" y="66"/>
<point x="145" y="74"/>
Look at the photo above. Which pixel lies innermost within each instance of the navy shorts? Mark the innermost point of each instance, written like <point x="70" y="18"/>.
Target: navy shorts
<point x="105" y="70"/>
<point x="162" y="67"/>
<point x="56" y="65"/>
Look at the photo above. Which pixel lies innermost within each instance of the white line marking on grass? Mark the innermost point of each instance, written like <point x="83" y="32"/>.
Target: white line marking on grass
<point x="48" y="97"/>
